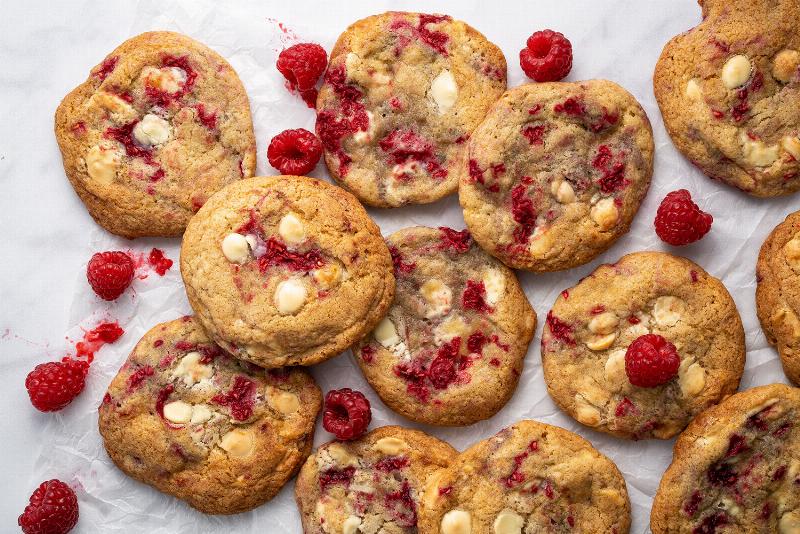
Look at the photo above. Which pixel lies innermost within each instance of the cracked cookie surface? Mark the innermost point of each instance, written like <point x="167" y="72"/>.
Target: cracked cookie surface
<point x="188" y="419"/>
<point x="591" y="326"/>
<point x="161" y="124"/>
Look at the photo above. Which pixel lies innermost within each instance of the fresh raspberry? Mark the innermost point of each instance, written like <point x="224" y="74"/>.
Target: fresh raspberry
<point x="302" y="65"/>
<point x="53" y="509"/>
<point x="548" y="56"/>
<point x="294" y="152"/>
<point x="651" y="361"/>
<point x="110" y="273"/>
<point x="679" y="221"/>
<point x="53" y="385"/>
<point x="347" y="413"/>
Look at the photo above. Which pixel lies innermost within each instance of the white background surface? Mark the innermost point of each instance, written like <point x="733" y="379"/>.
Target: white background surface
<point x="46" y="48"/>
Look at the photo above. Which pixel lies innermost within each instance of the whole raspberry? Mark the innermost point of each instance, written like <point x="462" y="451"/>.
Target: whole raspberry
<point x="294" y="152"/>
<point x="53" y="385"/>
<point x="347" y="413"/>
<point x="548" y="56"/>
<point x="53" y="509"/>
<point x="651" y="361"/>
<point x="679" y="221"/>
<point x="302" y="65"/>
<point x="110" y="273"/>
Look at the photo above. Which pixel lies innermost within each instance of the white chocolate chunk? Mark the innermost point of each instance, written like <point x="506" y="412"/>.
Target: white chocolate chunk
<point x="341" y="455"/>
<point x="792" y="250"/>
<point x="541" y="241"/>
<point x="563" y="191"/>
<point x="585" y="412"/>
<point x="390" y="446"/>
<point x="178" y="412"/>
<point x="438" y="296"/>
<point x="791" y="144"/>
<point x="757" y="153"/>
<point x="692" y="380"/>
<point x="456" y="522"/>
<point x="785" y="65"/>
<point x="235" y="248"/>
<point x="328" y="275"/>
<point x="605" y="213"/>
<point x="615" y="367"/>
<point x="693" y="90"/>
<point x="290" y="296"/>
<point x="201" y="413"/>
<point x="167" y="79"/>
<point x="238" y="443"/>
<point x="508" y="522"/>
<point x="605" y="323"/>
<point x="451" y="327"/>
<point x="120" y="110"/>
<point x="351" y="525"/>
<point x="444" y="91"/>
<point x="191" y="371"/>
<point x="736" y="71"/>
<point x="386" y="333"/>
<point x="351" y="62"/>
<point x="668" y="310"/>
<point x="495" y="283"/>
<point x="102" y="163"/>
<point x="601" y="342"/>
<point x="285" y="402"/>
<point x="152" y="130"/>
<point x="789" y="523"/>
<point x="291" y="228"/>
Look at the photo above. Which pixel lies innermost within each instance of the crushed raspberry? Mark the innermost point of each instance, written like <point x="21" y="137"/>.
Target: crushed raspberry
<point x="625" y="407"/>
<point x="53" y="385"/>
<point x="400" y="267"/>
<point x="474" y="297"/>
<point x="442" y="371"/>
<point x="240" y="398"/>
<point x="294" y="152"/>
<point x="613" y="173"/>
<point x="278" y="254"/>
<point x="331" y="127"/>
<point x="106" y="67"/>
<point x="475" y="172"/>
<point x="162" y="98"/>
<point x="139" y="376"/>
<point x="737" y="445"/>
<point x="693" y="504"/>
<point x="436" y="40"/>
<point x="547" y="56"/>
<point x="124" y="135"/>
<point x="457" y="241"/>
<point x="335" y="477"/>
<point x="414" y="374"/>
<point x="110" y="273"/>
<point x="347" y="414"/>
<point x="368" y="353"/>
<point x="559" y="329"/>
<point x="679" y="221"/>
<point x="517" y="476"/>
<point x="302" y="65"/>
<point x="402" y="504"/>
<point x="570" y="106"/>
<point x="710" y="523"/>
<point x="207" y="118"/>
<point x="651" y="361"/>
<point x="405" y="145"/>
<point x="392" y="463"/>
<point x="780" y="473"/>
<point x="535" y="134"/>
<point x="99" y="335"/>
<point x="161" y="398"/>
<point x="52" y="509"/>
<point x="79" y="128"/>
<point x="159" y="262"/>
<point x="523" y="212"/>
<point x="476" y="341"/>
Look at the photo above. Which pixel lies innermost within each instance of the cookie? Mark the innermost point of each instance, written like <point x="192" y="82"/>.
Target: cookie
<point x="286" y="270"/>
<point x="373" y="484"/>
<point x="736" y="468"/>
<point x="188" y="419"/>
<point x="591" y="326"/>
<point x="451" y="348"/>
<point x="555" y="173"/>
<point x="778" y="292"/>
<point x="161" y="124"/>
<point x="529" y="477"/>
<point x="402" y="94"/>
<point x="728" y="91"/>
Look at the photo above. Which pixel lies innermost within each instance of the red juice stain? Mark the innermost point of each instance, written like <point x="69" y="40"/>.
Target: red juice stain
<point x="94" y="339"/>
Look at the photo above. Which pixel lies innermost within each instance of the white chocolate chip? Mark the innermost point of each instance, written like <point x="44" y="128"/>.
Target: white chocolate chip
<point x="785" y="65"/>
<point x="438" y="296"/>
<point x="102" y="163"/>
<point x="791" y="144"/>
<point x="693" y="90"/>
<point x="328" y="275"/>
<point x="451" y="327"/>
<point x="601" y="342"/>
<point x="390" y="446"/>
<point x="791" y="250"/>
<point x="789" y="523"/>
<point x="562" y="191"/>
<point x="178" y="412"/>
<point x="692" y="379"/>
<point x="444" y="91"/>
<point x="291" y="228"/>
<point x="736" y="72"/>
<point x="456" y="522"/>
<point x="238" y="443"/>
<point x="605" y="323"/>
<point x="757" y="153"/>
<point x="541" y="241"/>
<point x="508" y="522"/>
<point x="235" y="248"/>
<point x="386" y="333"/>
<point x="191" y="371"/>
<point x="341" y="455"/>
<point x="290" y="296"/>
<point x="167" y="79"/>
<point x="351" y="525"/>
<point x="605" y="213"/>
<point x="668" y="310"/>
<point x="285" y="402"/>
<point x="120" y="110"/>
<point x="201" y="413"/>
<point x="152" y="130"/>
<point x="495" y="283"/>
<point x="615" y="368"/>
<point x="585" y="412"/>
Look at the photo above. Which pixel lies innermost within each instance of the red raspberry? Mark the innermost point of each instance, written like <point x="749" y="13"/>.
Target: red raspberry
<point x="53" y="509"/>
<point x="548" y="56"/>
<point x="651" y="361"/>
<point x="53" y="385"/>
<point x="294" y="152"/>
<point x="347" y="413"/>
<point x="679" y="221"/>
<point x="302" y="65"/>
<point x="110" y="273"/>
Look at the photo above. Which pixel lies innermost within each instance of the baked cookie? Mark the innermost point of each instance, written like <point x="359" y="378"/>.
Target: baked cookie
<point x="735" y="469"/>
<point x="161" y="124"/>
<point x="645" y="296"/>
<point x="778" y="292"/>
<point x="556" y="172"/>
<point x="728" y="91"/>
<point x="186" y="418"/>
<point x="451" y="348"/>
<point x="286" y="270"/>
<point x="529" y="477"/>
<point x="402" y="94"/>
<point x="370" y="485"/>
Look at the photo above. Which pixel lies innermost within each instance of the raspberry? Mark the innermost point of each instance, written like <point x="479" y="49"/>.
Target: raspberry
<point x="294" y="152"/>
<point x="347" y="413"/>
<point x="53" y="509"/>
<point x="302" y="65"/>
<point x="679" y="221"/>
<point x="651" y="361"/>
<point x="548" y="56"/>
<point x="110" y="273"/>
<point x="53" y="385"/>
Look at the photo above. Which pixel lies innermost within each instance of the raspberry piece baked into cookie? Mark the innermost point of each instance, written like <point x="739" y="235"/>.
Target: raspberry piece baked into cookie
<point x="188" y="419"/>
<point x="402" y="94"/>
<point x="451" y="348"/>
<point x="640" y="347"/>
<point x="778" y="292"/>
<point x="556" y="172"/>
<point x="286" y="270"/>
<point x="529" y="477"/>
<point x="160" y="125"/>
<point x="728" y="91"/>
<point x="735" y="469"/>
<point x="370" y="485"/>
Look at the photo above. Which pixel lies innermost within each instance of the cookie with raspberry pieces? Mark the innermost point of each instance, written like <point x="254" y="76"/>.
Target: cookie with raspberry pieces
<point x="736" y="468"/>
<point x="402" y="94"/>
<point x="450" y="350"/>
<point x="161" y="124"/>
<point x="639" y="347"/>
<point x="555" y="173"/>
<point x="188" y="419"/>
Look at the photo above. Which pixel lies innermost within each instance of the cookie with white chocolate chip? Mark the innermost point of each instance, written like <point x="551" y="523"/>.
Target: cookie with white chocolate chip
<point x="188" y="419"/>
<point x="286" y="270"/>
<point x="728" y="91"/>
<point x="556" y="172"/>
<point x="450" y="350"/>
<point x="736" y="468"/>
<point x="402" y="94"/>
<point x="648" y="307"/>
<point x="370" y="485"/>
<point x="778" y="292"/>
<point x="529" y="477"/>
